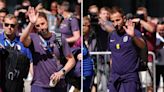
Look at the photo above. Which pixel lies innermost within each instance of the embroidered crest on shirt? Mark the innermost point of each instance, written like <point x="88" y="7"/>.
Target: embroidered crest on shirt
<point x="125" y="39"/>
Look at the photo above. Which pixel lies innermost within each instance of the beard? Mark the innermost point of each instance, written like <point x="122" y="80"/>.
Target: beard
<point x="43" y="32"/>
<point x="119" y="29"/>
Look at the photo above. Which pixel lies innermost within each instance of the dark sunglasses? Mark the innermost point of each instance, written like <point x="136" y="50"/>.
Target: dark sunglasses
<point x="86" y="25"/>
<point x="11" y="25"/>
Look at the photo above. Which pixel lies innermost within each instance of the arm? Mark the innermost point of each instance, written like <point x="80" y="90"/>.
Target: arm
<point x="39" y="8"/>
<point x="74" y="26"/>
<point x="74" y="38"/>
<point x="149" y="27"/>
<point x="108" y="27"/>
<point x="25" y="38"/>
<point x="139" y="42"/>
<point x="68" y="66"/>
<point x="70" y="63"/>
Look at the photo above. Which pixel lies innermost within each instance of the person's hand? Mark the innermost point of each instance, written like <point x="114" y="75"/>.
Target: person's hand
<point x="39" y="7"/>
<point x="129" y="28"/>
<point x="79" y="56"/>
<point x="57" y="76"/>
<point x="32" y="15"/>
<point x="101" y="22"/>
<point x="22" y="10"/>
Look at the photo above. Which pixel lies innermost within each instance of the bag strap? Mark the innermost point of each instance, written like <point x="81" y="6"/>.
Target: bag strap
<point x="58" y="42"/>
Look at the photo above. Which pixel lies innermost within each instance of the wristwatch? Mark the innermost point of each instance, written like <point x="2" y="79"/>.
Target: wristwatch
<point x="63" y="70"/>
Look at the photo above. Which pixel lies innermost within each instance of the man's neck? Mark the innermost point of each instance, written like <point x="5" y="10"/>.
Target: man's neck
<point x="10" y="37"/>
<point x="121" y="32"/>
<point x="47" y="36"/>
<point x="66" y="14"/>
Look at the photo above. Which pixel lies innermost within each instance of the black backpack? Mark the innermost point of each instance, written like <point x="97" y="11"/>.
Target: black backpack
<point x="73" y="76"/>
<point x="16" y="68"/>
<point x="3" y="55"/>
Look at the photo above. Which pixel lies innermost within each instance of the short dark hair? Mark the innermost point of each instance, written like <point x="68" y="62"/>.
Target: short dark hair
<point x="11" y="16"/>
<point x="116" y="9"/>
<point x="105" y="9"/>
<point x="41" y="14"/>
<point x="66" y="5"/>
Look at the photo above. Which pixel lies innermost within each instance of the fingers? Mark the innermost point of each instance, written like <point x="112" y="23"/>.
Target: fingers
<point x="55" y="76"/>
<point x="39" y="6"/>
<point x="136" y="20"/>
<point x="37" y="14"/>
<point x="129" y="23"/>
<point x="125" y="28"/>
<point x="31" y="10"/>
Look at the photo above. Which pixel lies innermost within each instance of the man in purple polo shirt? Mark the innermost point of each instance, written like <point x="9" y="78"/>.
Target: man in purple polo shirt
<point x="45" y="55"/>
<point x="69" y="26"/>
<point x="123" y="43"/>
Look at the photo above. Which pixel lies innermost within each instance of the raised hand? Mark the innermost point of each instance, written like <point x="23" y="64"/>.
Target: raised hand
<point x="32" y="14"/>
<point x="39" y="7"/>
<point x="129" y="28"/>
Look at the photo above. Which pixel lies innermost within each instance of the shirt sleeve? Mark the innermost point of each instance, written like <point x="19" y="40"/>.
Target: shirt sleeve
<point x="66" y="48"/>
<point x="137" y="33"/>
<point x="74" y="25"/>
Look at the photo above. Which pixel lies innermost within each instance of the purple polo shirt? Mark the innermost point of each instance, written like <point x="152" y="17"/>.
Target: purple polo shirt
<point x="68" y="26"/>
<point x="44" y="63"/>
<point x="124" y="63"/>
<point x="124" y="53"/>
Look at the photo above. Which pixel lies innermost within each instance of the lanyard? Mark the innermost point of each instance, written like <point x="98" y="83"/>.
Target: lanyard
<point x="45" y="44"/>
<point x="9" y="43"/>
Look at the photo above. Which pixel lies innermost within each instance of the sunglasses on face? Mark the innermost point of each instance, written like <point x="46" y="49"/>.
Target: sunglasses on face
<point x="11" y="25"/>
<point x="85" y="25"/>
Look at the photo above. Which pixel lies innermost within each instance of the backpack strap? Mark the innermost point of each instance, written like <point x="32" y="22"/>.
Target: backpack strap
<point x="58" y="42"/>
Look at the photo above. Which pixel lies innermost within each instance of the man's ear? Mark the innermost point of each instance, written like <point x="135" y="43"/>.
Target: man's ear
<point x="124" y="19"/>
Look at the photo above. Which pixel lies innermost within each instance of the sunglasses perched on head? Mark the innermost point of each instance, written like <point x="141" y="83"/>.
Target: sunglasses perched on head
<point x="11" y="25"/>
